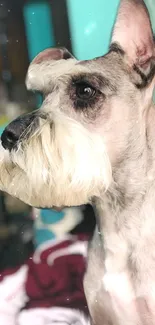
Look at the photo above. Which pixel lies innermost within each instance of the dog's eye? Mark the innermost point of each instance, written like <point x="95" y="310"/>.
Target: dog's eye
<point x="84" y="91"/>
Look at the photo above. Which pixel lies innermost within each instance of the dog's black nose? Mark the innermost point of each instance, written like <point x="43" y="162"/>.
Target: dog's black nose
<point x="16" y="130"/>
<point x="9" y="138"/>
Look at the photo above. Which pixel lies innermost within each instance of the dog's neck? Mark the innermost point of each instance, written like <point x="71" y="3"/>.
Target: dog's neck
<point x="126" y="213"/>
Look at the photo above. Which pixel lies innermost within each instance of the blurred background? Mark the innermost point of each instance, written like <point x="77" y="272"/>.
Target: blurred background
<point x="26" y="28"/>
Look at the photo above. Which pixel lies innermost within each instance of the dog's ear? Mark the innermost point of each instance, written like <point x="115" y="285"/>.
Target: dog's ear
<point x="52" y="54"/>
<point x="133" y="33"/>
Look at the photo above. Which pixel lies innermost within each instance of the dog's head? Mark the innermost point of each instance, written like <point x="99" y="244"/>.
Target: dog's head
<point x="92" y="114"/>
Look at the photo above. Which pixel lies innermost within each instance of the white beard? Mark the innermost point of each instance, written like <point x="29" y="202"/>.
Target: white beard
<point x="61" y="164"/>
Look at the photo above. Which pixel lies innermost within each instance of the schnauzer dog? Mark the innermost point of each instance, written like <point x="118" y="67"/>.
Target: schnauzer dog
<point x="93" y="140"/>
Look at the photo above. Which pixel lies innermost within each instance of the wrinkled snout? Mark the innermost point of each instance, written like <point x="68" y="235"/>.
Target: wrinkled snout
<point x="16" y="130"/>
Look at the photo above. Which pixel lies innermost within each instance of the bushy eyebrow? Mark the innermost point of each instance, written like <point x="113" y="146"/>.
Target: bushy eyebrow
<point x="94" y="79"/>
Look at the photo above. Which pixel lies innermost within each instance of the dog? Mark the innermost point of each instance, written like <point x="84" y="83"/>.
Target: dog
<point x="93" y="141"/>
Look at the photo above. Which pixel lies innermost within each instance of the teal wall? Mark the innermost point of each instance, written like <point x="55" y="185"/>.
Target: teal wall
<point x="151" y="7"/>
<point x="38" y="25"/>
<point x="91" y="24"/>
<point x="39" y="29"/>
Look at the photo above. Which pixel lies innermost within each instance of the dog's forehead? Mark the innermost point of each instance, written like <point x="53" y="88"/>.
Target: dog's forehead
<point x="51" y="71"/>
<point x="109" y="65"/>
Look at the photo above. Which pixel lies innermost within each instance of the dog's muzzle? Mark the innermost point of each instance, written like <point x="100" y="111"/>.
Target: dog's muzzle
<point x="16" y="130"/>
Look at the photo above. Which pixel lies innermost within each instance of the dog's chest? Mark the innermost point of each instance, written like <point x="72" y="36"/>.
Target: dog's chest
<point x="129" y="282"/>
<point x="123" y="291"/>
<point x="127" y="304"/>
